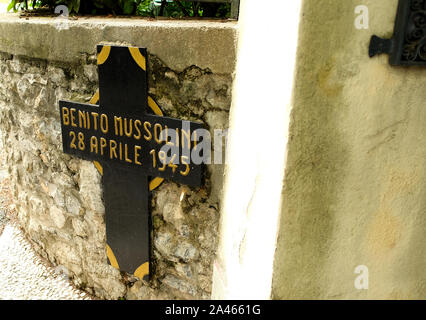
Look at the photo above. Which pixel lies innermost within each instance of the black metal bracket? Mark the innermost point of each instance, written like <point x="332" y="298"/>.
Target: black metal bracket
<point x="407" y="46"/>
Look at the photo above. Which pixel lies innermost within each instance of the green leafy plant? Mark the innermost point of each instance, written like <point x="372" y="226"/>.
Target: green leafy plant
<point x="126" y="7"/>
<point x="170" y="8"/>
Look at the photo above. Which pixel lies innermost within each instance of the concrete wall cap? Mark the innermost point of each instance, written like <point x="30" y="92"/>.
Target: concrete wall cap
<point x="206" y="44"/>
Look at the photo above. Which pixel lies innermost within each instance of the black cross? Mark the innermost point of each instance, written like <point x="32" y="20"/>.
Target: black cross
<point x="128" y="145"/>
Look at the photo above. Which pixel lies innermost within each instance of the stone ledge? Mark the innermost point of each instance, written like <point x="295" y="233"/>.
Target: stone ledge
<point x="179" y="43"/>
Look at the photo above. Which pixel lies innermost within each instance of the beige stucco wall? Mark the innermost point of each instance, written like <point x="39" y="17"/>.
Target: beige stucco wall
<point x="355" y="183"/>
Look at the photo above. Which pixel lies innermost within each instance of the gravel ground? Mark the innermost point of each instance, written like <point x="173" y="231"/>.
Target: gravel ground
<point x="24" y="277"/>
<point x="23" y="274"/>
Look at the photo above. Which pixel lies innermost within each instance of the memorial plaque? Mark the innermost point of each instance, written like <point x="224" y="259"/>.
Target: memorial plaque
<point x="133" y="146"/>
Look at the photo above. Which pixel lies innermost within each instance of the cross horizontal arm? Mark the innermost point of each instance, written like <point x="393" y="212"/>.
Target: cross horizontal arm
<point x="157" y="146"/>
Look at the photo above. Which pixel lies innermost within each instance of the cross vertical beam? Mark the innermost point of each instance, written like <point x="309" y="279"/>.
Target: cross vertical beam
<point x="127" y="143"/>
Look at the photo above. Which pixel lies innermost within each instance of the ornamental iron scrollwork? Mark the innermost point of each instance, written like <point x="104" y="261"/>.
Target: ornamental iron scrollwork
<point x="408" y="44"/>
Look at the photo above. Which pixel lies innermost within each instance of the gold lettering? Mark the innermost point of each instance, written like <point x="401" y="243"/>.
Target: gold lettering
<point x="112" y="149"/>
<point x="163" y="157"/>
<point x="174" y="139"/>
<point x="81" y="144"/>
<point x="158" y="126"/>
<point x="154" y="158"/>
<point x="125" y="154"/>
<point x="187" y="135"/>
<point x="138" y="123"/>
<point x="184" y="161"/>
<point x="118" y="131"/>
<point x="148" y="131"/>
<point x="104" y="123"/>
<point x="73" y="136"/>
<point x="137" y="148"/>
<point x="121" y="151"/>
<point x="65" y="116"/>
<point x="94" y="144"/>
<point x="82" y="119"/>
<point x="88" y="120"/>
<point x="128" y="132"/>
<point x="103" y="145"/>
<point x="95" y="120"/>
<point x="73" y="117"/>
<point x="172" y="163"/>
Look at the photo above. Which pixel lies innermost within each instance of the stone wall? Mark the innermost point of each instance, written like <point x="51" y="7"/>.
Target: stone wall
<point x="355" y="185"/>
<point x="59" y="198"/>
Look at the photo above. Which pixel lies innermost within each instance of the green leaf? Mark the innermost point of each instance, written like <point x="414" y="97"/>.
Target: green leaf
<point x="77" y="5"/>
<point x="11" y="5"/>
<point x="70" y="7"/>
<point x="128" y="7"/>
